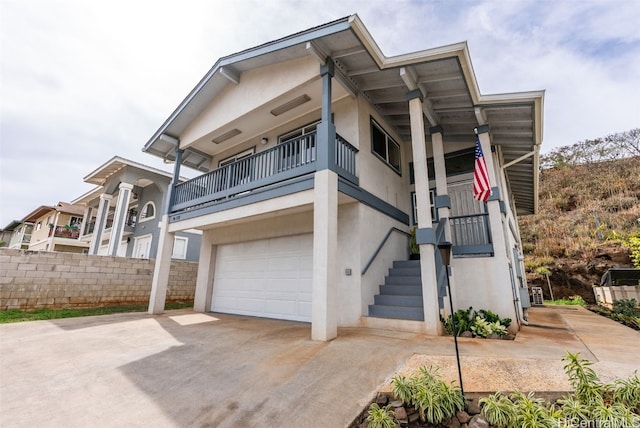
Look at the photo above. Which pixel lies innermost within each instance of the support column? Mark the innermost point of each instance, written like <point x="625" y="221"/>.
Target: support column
<point x="324" y="324"/>
<point x="120" y="217"/>
<point x="101" y="221"/>
<point x="86" y="218"/>
<point x="162" y="267"/>
<point x="443" y="203"/>
<point x="425" y="236"/>
<point x="206" y="272"/>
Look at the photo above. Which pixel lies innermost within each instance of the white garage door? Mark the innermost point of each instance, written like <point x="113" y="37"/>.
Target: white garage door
<point x="269" y="278"/>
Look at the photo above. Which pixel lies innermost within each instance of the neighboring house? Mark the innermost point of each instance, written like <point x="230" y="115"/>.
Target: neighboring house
<point x="122" y="214"/>
<point x="17" y="235"/>
<point x="319" y="155"/>
<point x="56" y="228"/>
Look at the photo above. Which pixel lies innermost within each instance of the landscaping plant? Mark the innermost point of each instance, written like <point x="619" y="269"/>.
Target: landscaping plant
<point x="381" y="417"/>
<point x="480" y="323"/>
<point x="435" y="399"/>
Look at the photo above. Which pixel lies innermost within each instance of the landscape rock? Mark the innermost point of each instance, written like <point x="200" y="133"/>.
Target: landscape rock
<point x="463" y="417"/>
<point x="478" y="421"/>
<point x="466" y="334"/>
<point x="453" y="422"/>
<point x="400" y="414"/>
<point x="473" y="408"/>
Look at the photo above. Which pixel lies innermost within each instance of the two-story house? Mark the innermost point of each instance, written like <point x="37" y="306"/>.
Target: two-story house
<point x="122" y="213"/>
<point x="17" y="235"/>
<point x="319" y="155"/>
<point x="56" y="228"/>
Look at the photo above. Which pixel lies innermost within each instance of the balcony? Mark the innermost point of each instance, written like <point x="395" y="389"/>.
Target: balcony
<point x="283" y="162"/>
<point x="69" y="232"/>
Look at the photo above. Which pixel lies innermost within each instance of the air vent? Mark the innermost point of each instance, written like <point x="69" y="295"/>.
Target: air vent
<point x="226" y="136"/>
<point x="290" y="105"/>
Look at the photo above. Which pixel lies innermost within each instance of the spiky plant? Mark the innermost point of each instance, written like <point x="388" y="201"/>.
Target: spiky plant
<point x="381" y="417"/>
<point x="498" y="410"/>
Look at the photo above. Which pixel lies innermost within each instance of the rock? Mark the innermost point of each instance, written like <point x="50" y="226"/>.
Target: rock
<point x="493" y="336"/>
<point x="397" y="403"/>
<point x="473" y="408"/>
<point x="478" y="421"/>
<point x="400" y="413"/>
<point x="453" y="422"/>
<point x="413" y="417"/>
<point x="466" y="334"/>
<point x="382" y="400"/>
<point x="463" y="417"/>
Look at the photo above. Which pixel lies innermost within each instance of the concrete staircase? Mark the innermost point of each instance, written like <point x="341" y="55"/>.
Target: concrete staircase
<point x="401" y="295"/>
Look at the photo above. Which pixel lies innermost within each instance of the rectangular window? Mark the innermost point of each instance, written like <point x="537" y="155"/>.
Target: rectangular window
<point x="180" y="247"/>
<point x="385" y="147"/>
<point x="236" y="157"/>
<point x="432" y="205"/>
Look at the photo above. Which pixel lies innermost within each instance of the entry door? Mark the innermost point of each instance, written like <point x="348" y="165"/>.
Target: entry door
<point x="142" y="247"/>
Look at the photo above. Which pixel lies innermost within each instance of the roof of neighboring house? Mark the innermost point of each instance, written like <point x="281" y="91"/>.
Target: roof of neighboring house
<point x="101" y="174"/>
<point x="12" y="225"/>
<point x="63" y="207"/>
<point x="444" y="76"/>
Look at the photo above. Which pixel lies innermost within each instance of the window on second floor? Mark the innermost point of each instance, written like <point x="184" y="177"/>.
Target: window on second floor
<point x="148" y="211"/>
<point x="385" y="147"/>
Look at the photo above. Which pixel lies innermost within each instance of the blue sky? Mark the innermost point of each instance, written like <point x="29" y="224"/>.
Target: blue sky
<point x="82" y="81"/>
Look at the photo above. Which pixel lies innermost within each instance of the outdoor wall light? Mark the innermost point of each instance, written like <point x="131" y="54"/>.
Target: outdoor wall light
<point x="264" y="140"/>
<point x="445" y="252"/>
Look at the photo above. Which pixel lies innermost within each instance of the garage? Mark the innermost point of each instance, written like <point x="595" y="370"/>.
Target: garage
<point x="269" y="278"/>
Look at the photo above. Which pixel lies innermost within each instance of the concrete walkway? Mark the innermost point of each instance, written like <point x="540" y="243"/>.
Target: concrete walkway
<point x="184" y="369"/>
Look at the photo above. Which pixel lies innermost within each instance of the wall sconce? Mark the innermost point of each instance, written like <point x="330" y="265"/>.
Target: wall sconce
<point x="264" y="140"/>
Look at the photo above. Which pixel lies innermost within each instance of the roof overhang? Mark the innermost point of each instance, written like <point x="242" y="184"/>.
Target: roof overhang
<point x="443" y="75"/>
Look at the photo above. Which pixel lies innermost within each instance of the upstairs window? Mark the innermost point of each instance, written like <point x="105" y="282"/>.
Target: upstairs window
<point x="148" y="211"/>
<point x="383" y="146"/>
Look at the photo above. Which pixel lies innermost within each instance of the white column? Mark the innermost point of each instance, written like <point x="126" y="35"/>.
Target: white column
<point x="86" y="218"/>
<point x="425" y="222"/>
<point x="161" y="269"/>
<point x="324" y="324"/>
<point x="440" y="170"/>
<point x="101" y="221"/>
<point x="120" y="217"/>
<point x="206" y="272"/>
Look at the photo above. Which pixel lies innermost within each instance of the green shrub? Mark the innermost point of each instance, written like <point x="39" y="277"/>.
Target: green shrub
<point x="381" y="417"/>
<point x="427" y="392"/>
<point x="626" y="307"/>
<point x="480" y="323"/>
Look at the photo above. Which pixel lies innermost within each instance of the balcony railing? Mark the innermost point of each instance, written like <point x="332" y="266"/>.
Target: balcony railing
<point x="70" y="232"/>
<point x="282" y="162"/>
<point x="471" y="234"/>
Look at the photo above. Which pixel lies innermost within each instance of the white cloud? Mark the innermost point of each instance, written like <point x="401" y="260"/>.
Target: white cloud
<point x="84" y="81"/>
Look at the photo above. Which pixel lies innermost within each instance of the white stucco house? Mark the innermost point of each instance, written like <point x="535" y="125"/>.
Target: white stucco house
<point x="319" y="155"/>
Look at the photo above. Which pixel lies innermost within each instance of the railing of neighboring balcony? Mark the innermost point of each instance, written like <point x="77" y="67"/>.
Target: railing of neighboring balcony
<point x="70" y="232"/>
<point x="288" y="160"/>
<point x="471" y="235"/>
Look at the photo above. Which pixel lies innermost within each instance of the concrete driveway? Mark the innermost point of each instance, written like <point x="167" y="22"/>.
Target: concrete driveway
<point x="184" y="369"/>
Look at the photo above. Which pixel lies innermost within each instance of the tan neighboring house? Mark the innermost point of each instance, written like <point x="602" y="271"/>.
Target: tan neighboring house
<point x="57" y="228"/>
<point x="17" y="235"/>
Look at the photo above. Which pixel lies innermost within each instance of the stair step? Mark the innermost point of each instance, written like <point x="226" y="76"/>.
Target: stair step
<point x="398" y="300"/>
<point x="396" y="312"/>
<point x="406" y="264"/>
<point x="405" y="271"/>
<point x="403" y="290"/>
<point x="402" y="280"/>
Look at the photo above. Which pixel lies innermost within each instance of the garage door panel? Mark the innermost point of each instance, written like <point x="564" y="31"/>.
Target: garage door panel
<point x="269" y="278"/>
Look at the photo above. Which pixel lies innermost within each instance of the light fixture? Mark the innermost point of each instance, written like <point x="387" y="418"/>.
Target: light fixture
<point x="264" y="140"/>
<point x="291" y="105"/>
<point x="227" y="135"/>
<point x="445" y="254"/>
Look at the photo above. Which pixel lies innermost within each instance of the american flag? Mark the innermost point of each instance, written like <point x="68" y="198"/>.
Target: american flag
<point x="481" y="184"/>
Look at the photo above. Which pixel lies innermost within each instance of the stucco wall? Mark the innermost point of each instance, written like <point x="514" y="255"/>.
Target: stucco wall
<point x="30" y="280"/>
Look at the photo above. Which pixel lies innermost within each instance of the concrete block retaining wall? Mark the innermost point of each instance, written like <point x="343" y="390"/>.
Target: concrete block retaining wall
<point x="34" y="279"/>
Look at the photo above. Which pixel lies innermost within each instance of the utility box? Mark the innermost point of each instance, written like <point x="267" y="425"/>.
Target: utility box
<point x="525" y="300"/>
<point x="536" y="296"/>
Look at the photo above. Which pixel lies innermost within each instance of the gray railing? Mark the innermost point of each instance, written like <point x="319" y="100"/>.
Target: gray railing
<point x="384" y="241"/>
<point x="441" y="269"/>
<point x="471" y="234"/>
<point x="291" y="159"/>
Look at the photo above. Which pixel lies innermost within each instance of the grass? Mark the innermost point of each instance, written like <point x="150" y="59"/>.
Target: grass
<point x="15" y="315"/>
<point x="573" y="300"/>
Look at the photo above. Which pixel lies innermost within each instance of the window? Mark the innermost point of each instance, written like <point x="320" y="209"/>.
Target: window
<point x="148" y="211"/>
<point x="432" y="205"/>
<point x="236" y="157"/>
<point x="306" y="129"/>
<point x="460" y="162"/>
<point x="385" y="147"/>
<point x="180" y="244"/>
<point x="38" y="225"/>
<point x="75" y="221"/>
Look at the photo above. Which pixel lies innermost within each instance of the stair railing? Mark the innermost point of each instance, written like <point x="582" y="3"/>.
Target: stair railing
<point x="384" y="241"/>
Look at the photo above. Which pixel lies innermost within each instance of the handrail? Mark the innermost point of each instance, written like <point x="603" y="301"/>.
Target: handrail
<point x="375" y="254"/>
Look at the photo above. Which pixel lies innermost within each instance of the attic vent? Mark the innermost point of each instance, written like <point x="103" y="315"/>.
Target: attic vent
<point x="226" y="136"/>
<point x="291" y="105"/>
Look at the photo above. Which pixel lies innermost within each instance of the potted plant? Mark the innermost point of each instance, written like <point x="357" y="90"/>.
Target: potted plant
<point x="414" y="248"/>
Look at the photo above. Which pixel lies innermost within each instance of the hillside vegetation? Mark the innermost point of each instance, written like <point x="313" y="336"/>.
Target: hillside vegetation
<point x="589" y="215"/>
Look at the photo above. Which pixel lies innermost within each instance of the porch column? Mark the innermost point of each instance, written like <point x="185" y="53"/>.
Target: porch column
<point x="120" y="217"/>
<point x="442" y="202"/>
<point x="425" y="236"/>
<point x="206" y="272"/>
<point x="493" y="204"/>
<point x="101" y="221"/>
<point x="324" y="325"/>
<point x="162" y="266"/>
<point x="86" y="218"/>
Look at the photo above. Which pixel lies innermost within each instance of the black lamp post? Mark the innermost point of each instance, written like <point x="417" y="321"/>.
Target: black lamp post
<point x="445" y="253"/>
